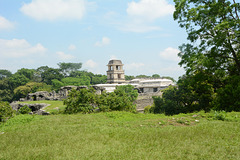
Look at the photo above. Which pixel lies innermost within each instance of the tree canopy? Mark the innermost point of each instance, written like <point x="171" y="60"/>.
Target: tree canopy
<point x="212" y="56"/>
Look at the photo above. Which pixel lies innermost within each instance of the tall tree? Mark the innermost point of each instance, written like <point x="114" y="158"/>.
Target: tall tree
<point x="4" y="73"/>
<point x="213" y="29"/>
<point x="212" y="57"/>
<point x="67" y="68"/>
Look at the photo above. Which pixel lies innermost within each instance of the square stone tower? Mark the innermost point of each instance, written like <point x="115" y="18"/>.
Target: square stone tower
<point x="115" y="73"/>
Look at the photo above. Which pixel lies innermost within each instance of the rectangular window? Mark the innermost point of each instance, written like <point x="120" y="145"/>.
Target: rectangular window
<point x="155" y="89"/>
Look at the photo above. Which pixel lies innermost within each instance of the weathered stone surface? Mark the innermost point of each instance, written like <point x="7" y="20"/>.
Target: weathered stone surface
<point x="36" y="108"/>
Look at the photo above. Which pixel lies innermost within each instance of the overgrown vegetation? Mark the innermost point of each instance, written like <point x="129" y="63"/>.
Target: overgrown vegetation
<point x="6" y="111"/>
<point x="121" y="135"/>
<point x="87" y="101"/>
<point x="24" y="110"/>
<point x="211" y="59"/>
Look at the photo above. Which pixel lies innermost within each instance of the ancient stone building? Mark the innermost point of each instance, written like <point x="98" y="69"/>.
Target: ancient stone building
<point x="115" y="73"/>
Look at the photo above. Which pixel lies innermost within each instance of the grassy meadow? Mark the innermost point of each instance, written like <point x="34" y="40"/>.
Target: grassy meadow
<point x="121" y="135"/>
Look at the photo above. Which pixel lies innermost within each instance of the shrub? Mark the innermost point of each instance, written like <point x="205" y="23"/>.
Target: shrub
<point x="24" y="110"/>
<point x="83" y="100"/>
<point x="87" y="101"/>
<point x="6" y="111"/>
<point x="149" y="109"/>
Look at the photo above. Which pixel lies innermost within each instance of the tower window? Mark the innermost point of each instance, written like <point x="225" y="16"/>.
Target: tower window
<point x="119" y="76"/>
<point x="118" y="67"/>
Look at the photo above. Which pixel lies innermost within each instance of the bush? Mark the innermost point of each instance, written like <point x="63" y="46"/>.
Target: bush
<point x="149" y="109"/>
<point x="87" y="101"/>
<point x="24" y="110"/>
<point x="83" y="100"/>
<point x="6" y="111"/>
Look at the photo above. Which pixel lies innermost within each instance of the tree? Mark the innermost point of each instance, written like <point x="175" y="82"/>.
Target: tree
<point x="49" y="74"/>
<point x="29" y="73"/>
<point x="6" y="111"/>
<point x="83" y="80"/>
<point x="127" y="78"/>
<point x="143" y="76"/>
<point x="155" y="76"/>
<point x="17" y="80"/>
<point x="67" y="68"/>
<point x="30" y="87"/>
<point x="215" y="27"/>
<point x="212" y="57"/>
<point x="4" y="73"/>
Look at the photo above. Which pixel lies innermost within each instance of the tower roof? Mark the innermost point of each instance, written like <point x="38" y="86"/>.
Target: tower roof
<point x="115" y="62"/>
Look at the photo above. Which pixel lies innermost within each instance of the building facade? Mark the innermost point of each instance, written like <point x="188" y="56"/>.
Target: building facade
<point x="115" y="72"/>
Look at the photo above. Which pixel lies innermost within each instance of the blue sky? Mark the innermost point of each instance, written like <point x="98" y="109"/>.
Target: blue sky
<point x="141" y="33"/>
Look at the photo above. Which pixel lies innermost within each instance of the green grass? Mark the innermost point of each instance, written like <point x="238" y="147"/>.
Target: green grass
<point x="121" y="135"/>
<point x="53" y="105"/>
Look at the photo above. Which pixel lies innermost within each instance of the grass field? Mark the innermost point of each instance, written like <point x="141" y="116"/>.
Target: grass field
<point x="121" y="135"/>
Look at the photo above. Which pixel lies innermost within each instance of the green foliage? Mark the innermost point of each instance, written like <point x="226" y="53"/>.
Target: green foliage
<point x="56" y="84"/>
<point x="6" y="94"/>
<point x="127" y="77"/>
<point x="87" y="101"/>
<point x="80" y="101"/>
<point x="211" y="59"/>
<point x="80" y="81"/>
<point x="227" y="97"/>
<point x="17" y="80"/>
<point x="143" y="76"/>
<point x="67" y="68"/>
<point x="6" y="111"/>
<point x="24" y="110"/>
<point x="155" y="76"/>
<point x="31" y="87"/>
<point x="49" y="74"/>
<point x="149" y="109"/>
<point x="5" y="74"/>
<point x="29" y="73"/>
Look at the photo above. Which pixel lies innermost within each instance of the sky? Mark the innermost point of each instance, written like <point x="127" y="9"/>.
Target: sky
<point x="141" y="33"/>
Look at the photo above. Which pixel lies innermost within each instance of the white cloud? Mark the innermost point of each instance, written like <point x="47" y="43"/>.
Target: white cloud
<point x="55" y="9"/>
<point x="19" y="48"/>
<point x="170" y="54"/>
<point x="142" y="15"/>
<point x="105" y="41"/>
<point x="72" y="47"/>
<point x="5" y="24"/>
<point x="90" y="64"/>
<point x="63" y="56"/>
<point x="149" y="10"/>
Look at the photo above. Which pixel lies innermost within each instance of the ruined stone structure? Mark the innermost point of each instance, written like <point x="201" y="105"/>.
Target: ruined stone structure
<point x="115" y="73"/>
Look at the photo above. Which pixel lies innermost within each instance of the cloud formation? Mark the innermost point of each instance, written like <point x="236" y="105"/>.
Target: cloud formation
<point x="143" y="14"/>
<point x="5" y="24"/>
<point x="149" y="10"/>
<point x="72" y="47"/>
<point x="105" y="41"/>
<point x="54" y="9"/>
<point x="90" y="64"/>
<point x="63" y="56"/>
<point x="170" y="54"/>
<point x="16" y="48"/>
